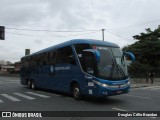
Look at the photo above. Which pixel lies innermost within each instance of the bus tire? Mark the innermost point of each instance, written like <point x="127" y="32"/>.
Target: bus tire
<point x="76" y="92"/>
<point x="33" y="85"/>
<point x="29" y="84"/>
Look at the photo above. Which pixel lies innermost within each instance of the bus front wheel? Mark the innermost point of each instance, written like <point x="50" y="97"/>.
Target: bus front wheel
<point x="76" y="92"/>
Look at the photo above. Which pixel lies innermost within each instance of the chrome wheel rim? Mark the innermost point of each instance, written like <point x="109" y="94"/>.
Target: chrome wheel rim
<point x="33" y="85"/>
<point x="28" y="83"/>
<point x="76" y="92"/>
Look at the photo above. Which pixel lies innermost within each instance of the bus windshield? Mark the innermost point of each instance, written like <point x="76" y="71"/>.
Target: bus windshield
<point x="112" y="64"/>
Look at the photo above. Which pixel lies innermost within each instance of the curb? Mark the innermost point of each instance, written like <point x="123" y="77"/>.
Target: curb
<point x="139" y="86"/>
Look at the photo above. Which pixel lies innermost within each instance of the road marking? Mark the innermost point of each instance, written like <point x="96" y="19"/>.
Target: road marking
<point x="1" y="101"/>
<point x="8" y="82"/>
<point x="69" y="98"/>
<point x="118" y="109"/>
<point x="10" y="97"/>
<point x="138" y="96"/>
<point x="24" y="96"/>
<point x="53" y="94"/>
<point x="37" y="94"/>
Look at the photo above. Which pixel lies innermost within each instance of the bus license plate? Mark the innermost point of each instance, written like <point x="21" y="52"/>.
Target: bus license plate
<point x="118" y="92"/>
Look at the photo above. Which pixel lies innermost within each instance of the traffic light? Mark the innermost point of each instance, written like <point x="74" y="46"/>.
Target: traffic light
<point x="2" y="32"/>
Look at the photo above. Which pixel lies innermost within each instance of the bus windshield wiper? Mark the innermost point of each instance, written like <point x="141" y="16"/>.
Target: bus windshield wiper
<point x="120" y="69"/>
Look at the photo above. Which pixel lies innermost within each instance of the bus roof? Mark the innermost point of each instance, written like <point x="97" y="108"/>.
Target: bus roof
<point x="76" y="41"/>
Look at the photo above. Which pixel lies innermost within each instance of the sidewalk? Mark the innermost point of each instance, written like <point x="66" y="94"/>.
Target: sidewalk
<point x="140" y="82"/>
<point x="138" y="85"/>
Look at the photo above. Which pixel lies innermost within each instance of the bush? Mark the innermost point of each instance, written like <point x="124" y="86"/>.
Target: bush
<point x="138" y="70"/>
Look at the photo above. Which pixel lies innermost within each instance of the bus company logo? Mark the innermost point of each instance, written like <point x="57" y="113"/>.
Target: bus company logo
<point x="6" y="114"/>
<point x="62" y="68"/>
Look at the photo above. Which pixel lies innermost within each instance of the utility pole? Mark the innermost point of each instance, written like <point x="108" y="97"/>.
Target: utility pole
<point x="103" y="34"/>
<point x="27" y="52"/>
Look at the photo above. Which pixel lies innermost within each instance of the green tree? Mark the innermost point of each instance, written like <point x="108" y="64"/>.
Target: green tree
<point x="147" y="48"/>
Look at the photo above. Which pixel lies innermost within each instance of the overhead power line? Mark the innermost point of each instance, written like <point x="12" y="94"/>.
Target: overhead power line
<point x="29" y="35"/>
<point x="117" y="35"/>
<point x="22" y="29"/>
<point x="70" y="35"/>
<point x="24" y="34"/>
<point x="73" y="31"/>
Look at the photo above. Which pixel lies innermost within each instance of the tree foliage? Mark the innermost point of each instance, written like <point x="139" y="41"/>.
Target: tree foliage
<point x="147" y="47"/>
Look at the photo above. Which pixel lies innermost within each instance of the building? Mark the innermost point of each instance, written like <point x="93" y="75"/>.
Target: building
<point x="2" y="62"/>
<point x="6" y="69"/>
<point x="17" y="67"/>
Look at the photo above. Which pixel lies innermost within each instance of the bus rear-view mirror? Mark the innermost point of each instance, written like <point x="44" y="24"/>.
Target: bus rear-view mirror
<point x="92" y="52"/>
<point x="129" y="56"/>
<point x="90" y="58"/>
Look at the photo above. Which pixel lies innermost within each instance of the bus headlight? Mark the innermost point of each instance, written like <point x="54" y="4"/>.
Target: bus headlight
<point x="104" y="85"/>
<point x="101" y="84"/>
<point x="128" y="83"/>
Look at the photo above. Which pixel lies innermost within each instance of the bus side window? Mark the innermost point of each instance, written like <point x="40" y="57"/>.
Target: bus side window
<point x="79" y="48"/>
<point x="51" y="58"/>
<point x="41" y="59"/>
<point x="65" y="55"/>
<point x="38" y="60"/>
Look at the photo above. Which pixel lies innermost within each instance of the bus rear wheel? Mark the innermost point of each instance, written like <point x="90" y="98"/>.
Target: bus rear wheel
<point x="33" y="85"/>
<point x="28" y="83"/>
<point x="76" y="92"/>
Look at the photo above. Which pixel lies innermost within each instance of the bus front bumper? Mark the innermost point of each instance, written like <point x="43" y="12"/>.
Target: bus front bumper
<point x="100" y="91"/>
<point x="113" y="92"/>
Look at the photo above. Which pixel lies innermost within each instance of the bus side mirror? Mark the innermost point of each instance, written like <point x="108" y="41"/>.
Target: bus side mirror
<point x="90" y="58"/>
<point x="129" y="56"/>
<point x="92" y="52"/>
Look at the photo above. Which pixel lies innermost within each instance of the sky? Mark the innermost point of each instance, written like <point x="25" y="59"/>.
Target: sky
<point x="38" y="24"/>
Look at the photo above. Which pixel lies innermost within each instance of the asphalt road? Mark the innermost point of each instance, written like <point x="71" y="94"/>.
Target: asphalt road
<point x="15" y="97"/>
